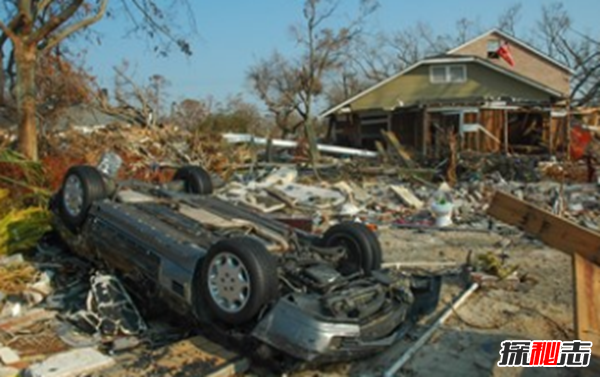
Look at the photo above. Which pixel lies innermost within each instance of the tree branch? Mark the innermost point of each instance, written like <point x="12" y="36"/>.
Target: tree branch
<point x="53" y="41"/>
<point x="56" y="21"/>
<point x="8" y="33"/>
<point x="42" y="5"/>
<point x="26" y="10"/>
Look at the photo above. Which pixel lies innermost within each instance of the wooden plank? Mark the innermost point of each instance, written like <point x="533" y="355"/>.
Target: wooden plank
<point x="587" y="308"/>
<point x="554" y="231"/>
<point x="382" y="152"/>
<point x="407" y="197"/>
<point x="403" y="156"/>
<point x="570" y="238"/>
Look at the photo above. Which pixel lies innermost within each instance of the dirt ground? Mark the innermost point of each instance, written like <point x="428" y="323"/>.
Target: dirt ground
<point x="540" y="308"/>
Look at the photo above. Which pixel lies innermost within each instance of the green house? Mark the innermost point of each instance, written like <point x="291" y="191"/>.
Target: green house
<point x="471" y="92"/>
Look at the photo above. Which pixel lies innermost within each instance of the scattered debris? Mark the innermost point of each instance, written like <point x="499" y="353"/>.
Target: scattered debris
<point x="71" y="363"/>
<point x="8" y="356"/>
<point x="391" y="371"/>
<point x="110" y="310"/>
<point x="407" y="197"/>
<point x="46" y="299"/>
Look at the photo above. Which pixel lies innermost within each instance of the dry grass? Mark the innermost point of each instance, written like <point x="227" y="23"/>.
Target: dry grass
<point x="14" y="278"/>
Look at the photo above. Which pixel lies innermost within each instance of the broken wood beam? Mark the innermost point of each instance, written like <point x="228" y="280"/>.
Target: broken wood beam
<point x="406" y="196"/>
<point x="401" y="153"/>
<point x="382" y="152"/>
<point x="568" y="237"/>
<point x="552" y="230"/>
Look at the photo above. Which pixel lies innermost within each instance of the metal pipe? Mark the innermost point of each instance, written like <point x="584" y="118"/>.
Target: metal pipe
<point x="419" y="264"/>
<point x="425" y="337"/>
<point x="334" y="149"/>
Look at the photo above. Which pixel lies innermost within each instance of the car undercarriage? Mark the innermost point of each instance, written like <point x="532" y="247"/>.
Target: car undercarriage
<point x="242" y="274"/>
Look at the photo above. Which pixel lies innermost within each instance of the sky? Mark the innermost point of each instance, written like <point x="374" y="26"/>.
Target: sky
<point x="232" y="35"/>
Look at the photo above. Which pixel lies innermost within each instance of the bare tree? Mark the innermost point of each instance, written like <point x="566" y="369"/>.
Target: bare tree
<point x="343" y="86"/>
<point x="37" y="26"/>
<point x="466" y="29"/>
<point x="234" y="115"/>
<point x="508" y="20"/>
<point x="373" y="59"/>
<point x="275" y="82"/>
<point x="189" y="113"/>
<point x="299" y="82"/>
<point x="157" y="94"/>
<point x="557" y="37"/>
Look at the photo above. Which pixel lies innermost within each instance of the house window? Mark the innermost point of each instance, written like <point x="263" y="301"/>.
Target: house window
<point x="438" y="74"/>
<point x="492" y="49"/>
<point x="446" y="74"/>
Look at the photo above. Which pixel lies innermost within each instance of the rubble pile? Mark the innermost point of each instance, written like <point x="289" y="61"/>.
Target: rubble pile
<point x="52" y="303"/>
<point x="143" y="150"/>
<point x="53" y="306"/>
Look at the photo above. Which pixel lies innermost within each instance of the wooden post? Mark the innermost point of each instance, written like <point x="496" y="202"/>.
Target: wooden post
<point x="568" y="130"/>
<point x="550" y="134"/>
<point x="461" y="122"/>
<point x="425" y="132"/>
<point x="505" y="132"/>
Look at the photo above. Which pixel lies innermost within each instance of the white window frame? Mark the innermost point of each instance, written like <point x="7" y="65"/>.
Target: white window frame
<point x="447" y="79"/>
<point x="492" y="48"/>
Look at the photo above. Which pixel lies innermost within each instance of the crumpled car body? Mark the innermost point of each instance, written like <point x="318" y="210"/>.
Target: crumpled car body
<point x="162" y="239"/>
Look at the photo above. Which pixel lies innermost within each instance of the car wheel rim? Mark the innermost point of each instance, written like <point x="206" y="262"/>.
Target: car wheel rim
<point x="73" y="195"/>
<point x="229" y="282"/>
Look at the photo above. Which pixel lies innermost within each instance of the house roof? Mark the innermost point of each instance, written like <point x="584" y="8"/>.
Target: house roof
<point x="516" y="41"/>
<point x="445" y="59"/>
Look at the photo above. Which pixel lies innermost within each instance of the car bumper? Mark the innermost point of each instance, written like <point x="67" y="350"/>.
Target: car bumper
<point x="299" y="333"/>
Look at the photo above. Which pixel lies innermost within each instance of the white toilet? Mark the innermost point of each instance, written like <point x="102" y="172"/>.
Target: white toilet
<point x="442" y="211"/>
<point x="442" y="205"/>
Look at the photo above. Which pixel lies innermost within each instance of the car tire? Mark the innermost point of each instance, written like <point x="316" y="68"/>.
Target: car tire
<point x="237" y="279"/>
<point x="196" y="180"/>
<point x="361" y="244"/>
<point x="81" y="186"/>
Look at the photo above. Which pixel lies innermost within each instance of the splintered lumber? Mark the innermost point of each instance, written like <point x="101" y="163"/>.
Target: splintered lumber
<point x="381" y="150"/>
<point x="552" y="230"/>
<point x="407" y="197"/>
<point x="401" y="153"/>
<point x="586" y="277"/>
<point x="581" y="243"/>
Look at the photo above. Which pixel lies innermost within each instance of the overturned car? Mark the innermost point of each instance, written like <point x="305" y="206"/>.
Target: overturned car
<point x="247" y="276"/>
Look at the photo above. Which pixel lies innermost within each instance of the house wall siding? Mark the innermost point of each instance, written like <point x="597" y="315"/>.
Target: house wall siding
<point x="415" y="86"/>
<point x="527" y="64"/>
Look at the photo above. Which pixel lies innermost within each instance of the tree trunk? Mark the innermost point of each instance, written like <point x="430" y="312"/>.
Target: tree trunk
<point x="2" y="79"/>
<point x="25" y="58"/>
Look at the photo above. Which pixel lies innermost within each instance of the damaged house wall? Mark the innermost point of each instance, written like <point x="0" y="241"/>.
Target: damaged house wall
<point x="491" y="106"/>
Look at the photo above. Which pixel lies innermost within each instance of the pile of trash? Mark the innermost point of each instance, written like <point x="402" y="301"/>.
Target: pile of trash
<point x="56" y="309"/>
<point x="144" y="150"/>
